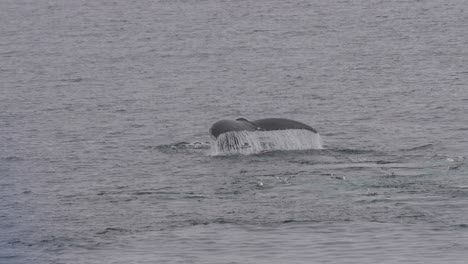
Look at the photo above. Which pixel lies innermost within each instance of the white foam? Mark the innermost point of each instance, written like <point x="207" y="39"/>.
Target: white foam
<point x="252" y="142"/>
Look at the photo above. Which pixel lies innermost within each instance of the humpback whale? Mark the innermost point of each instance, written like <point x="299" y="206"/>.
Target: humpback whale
<point x="244" y="136"/>
<point x="266" y="124"/>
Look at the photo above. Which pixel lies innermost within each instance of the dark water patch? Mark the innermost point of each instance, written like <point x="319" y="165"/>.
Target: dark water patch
<point x="112" y="230"/>
<point x="385" y="162"/>
<point x="330" y="134"/>
<point x="13" y="158"/>
<point x="222" y="220"/>
<point x="169" y="195"/>
<point x="229" y="191"/>
<point x="19" y="242"/>
<point x="456" y="166"/>
<point x="372" y="197"/>
<point x="458" y="193"/>
<point x="118" y="20"/>
<point x="10" y="257"/>
<point x="304" y="221"/>
<point x="354" y="151"/>
<point x="306" y="162"/>
<point x="288" y="174"/>
<point x="162" y="194"/>
<point x="73" y="80"/>
<point x="6" y="185"/>
<point x="9" y="53"/>
<point x="252" y="223"/>
<point x="194" y="197"/>
<point x="198" y="222"/>
<point x="352" y="167"/>
<point x="55" y="243"/>
<point x="422" y="147"/>
<point x="148" y="192"/>
<point x="116" y="133"/>
<point x="395" y="185"/>
<point x="412" y="216"/>
<point x="64" y="108"/>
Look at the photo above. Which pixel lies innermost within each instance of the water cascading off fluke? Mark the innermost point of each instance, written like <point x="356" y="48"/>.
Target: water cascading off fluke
<point x="252" y="142"/>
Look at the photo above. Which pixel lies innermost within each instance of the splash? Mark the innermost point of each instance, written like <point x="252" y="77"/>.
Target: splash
<point x="182" y="147"/>
<point x="252" y="142"/>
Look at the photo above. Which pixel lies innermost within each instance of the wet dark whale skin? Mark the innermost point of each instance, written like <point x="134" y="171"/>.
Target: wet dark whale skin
<point x="266" y="124"/>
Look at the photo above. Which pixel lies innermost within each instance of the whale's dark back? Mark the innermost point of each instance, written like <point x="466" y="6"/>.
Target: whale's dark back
<point x="281" y="124"/>
<point x="266" y="124"/>
<point x="224" y="126"/>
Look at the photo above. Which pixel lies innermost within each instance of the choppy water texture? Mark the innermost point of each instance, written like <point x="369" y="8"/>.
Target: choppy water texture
<point x="98" y="97"/>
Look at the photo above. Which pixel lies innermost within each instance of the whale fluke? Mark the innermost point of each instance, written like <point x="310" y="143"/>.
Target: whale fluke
<point x="266" y="124"/>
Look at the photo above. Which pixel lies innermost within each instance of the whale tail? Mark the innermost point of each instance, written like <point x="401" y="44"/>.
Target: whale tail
<point x="249" y="137"/>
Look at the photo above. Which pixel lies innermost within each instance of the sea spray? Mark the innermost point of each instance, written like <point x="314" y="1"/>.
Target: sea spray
<point x="251" y="142"/>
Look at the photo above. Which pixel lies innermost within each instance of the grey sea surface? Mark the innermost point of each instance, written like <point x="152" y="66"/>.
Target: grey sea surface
<point x="102" y="103"/>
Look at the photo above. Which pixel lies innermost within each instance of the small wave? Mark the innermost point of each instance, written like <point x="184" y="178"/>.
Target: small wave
<point x="418" y="147"/>
<point x="13" y="158"/>
<point x="181" y="146"/>
<point x="353" y="151"/>
<point x="251" y="223"/>
<point x="79" y="79"/>
<point x="112" y="230"/>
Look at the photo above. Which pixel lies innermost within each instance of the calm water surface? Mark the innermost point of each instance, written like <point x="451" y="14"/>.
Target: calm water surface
<point x="97" y="98"/>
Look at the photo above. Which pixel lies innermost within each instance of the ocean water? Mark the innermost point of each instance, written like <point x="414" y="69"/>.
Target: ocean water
<point x="105" y="153"/>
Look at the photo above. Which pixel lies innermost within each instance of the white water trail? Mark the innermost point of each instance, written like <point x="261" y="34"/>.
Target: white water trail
<point x="252" y="142"/>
